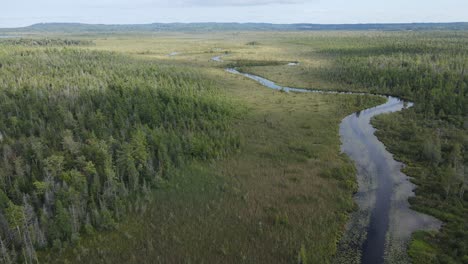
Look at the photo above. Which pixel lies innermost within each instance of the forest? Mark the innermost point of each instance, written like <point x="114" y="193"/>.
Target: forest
<point x="82" y="132"/>
<point x="45" y="42"/>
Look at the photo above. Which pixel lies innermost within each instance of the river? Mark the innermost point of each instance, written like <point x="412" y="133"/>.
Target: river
<point x="379" y="231"/>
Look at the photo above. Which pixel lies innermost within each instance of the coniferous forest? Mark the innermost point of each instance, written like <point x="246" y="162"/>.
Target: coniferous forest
<point x="82" y="132"/>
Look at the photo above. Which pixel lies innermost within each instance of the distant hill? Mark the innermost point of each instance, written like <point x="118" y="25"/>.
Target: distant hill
<point x="157" y="27"/>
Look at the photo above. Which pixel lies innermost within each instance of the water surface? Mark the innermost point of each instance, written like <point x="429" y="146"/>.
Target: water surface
<point x="384" y="213"/>
<point x="382" y="226"/>
<point x="217" y="59"/>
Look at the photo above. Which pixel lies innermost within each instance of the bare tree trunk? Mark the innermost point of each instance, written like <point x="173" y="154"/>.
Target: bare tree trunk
<point x="5" y="256"/>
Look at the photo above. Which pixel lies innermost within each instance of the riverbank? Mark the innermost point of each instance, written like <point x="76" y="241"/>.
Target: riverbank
<point x="381" y="228"/>
<point x="416" y="141"/>
<point x="430" y="139"/>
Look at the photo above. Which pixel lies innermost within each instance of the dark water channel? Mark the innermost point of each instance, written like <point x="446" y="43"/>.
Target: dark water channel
<point x="382" y="226"/>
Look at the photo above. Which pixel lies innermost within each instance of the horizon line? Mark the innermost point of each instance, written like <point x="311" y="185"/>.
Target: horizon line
<point x="232" y="22"/>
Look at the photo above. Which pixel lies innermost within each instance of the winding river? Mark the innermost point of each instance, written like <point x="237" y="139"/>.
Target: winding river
<point x="379" y="231"/>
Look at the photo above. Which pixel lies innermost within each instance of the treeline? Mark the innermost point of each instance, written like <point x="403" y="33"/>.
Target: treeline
<point x="83" y="132"/>
<point x="430" y="69"/>
<point x="45" y="42"/>
<point x="431" y="72"/>
<point x="434" y="152"/>
<point x="207" y="27"/>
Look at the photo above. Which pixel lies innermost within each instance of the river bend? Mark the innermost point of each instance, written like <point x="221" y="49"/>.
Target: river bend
<point x="379" y="231"/>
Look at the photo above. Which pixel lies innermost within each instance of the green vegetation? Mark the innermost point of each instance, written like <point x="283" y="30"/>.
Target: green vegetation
<point x="82" y="132"/>
<point x="45" y="42"/>
<point x="287" y="187"/>
<point x="433" y="150"/>
<point x="431" y="71"/>
<point x="428" y="68"/>
<point x="242" y="64"/>
<point x="285" y="194"/>
<point x="112" y="151"/>
<point x="431" y="138"/>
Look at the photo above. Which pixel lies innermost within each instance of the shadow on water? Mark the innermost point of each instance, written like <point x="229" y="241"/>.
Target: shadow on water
<point x="382" y="226"/>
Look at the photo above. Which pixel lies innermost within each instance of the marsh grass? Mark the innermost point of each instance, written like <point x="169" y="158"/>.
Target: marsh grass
<point x="289" y="189"/>
<point x="285" y="195"/>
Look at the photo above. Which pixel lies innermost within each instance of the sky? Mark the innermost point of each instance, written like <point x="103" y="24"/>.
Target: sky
<point x="16" y="13"/>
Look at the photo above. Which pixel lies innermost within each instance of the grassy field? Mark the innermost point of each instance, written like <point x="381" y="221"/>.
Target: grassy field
<point x="284" y="196"/>
<point x="428" y="68"/>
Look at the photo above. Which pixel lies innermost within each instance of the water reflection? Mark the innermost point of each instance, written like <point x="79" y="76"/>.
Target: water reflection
<point x="384" y="221"/>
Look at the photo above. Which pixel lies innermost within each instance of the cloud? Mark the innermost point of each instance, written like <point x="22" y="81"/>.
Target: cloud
<point x="186" y="3"/>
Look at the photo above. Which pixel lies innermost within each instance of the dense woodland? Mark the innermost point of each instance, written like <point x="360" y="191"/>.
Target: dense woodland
<point x="45" y="42"/>
<point x="430" y="69"/>
<point x="82" y="132"/>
